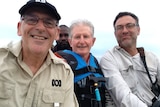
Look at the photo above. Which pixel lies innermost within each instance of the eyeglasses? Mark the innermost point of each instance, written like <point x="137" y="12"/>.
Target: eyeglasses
<point x="33" y="20"/>
<point x="128" y="26"/>
<point x="63" y="35"/>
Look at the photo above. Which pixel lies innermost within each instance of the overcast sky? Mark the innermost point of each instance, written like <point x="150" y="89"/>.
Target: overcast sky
<point x="100" y="12"/>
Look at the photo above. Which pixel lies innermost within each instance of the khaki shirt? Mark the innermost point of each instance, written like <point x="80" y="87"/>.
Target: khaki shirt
<point x="51" y="86"/>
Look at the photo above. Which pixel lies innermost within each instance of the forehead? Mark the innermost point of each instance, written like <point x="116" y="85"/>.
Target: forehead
<point x="64" y="29"/>
<point x="124" y="20"/>
<point x="81" y="29"/>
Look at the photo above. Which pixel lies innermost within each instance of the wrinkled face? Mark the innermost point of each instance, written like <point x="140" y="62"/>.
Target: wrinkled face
<point x="38" y="31"/>
<point x="81" y="40"/>
<point x="126" y="31"/>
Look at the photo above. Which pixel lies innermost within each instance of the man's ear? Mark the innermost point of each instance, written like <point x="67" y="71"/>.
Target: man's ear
<point x="57" y="33"/>
<point x="138" y="28"/>
<point x="69" y="40"/>
<point x="93" y="41"/>
<point x="19" y="29"/>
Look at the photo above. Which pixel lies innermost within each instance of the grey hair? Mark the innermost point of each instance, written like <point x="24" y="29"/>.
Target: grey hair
<point x="81" y="22"/>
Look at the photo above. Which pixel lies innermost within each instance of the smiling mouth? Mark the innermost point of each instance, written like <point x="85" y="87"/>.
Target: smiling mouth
<point x="81" y="46"/>
<point x="38" y="37"/>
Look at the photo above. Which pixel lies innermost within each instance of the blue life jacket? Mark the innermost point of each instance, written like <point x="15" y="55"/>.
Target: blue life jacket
<point x="83" y="87"/>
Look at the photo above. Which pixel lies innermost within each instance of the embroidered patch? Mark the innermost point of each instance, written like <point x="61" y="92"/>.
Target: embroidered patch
<point x="56" y="83"/>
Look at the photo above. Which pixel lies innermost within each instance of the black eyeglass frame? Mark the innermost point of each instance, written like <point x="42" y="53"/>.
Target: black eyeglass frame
<point x="128" y="26"/>
<point x="33" y="20"/>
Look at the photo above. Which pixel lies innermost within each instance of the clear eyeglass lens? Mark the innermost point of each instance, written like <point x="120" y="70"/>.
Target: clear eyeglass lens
<point x="127" y="26"/>
<point x="33" y="20"/>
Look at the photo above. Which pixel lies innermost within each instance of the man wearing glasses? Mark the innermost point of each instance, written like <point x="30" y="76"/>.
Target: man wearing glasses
<point x="62" y="43"/>
<point x="31" y="75"/>
<point x="127" y="78"/>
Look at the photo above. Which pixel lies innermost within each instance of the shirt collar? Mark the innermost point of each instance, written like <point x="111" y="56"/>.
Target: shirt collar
<point x="15" y="49"/>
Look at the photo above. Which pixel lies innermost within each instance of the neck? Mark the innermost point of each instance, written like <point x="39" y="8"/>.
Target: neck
<point x="131" y="51"/>
<point x="34" y="62"/>
<point x="86" y="58"/>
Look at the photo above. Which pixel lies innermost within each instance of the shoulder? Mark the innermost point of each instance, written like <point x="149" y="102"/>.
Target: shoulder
<point x="61" y="53"/>
<point x="150" y="54"/>
<point x="3" y="50"/>
<point x="112" y="57"/>
<point x="11" y="48"/>
<point x="110" y="53"/>
<point x="58" y="60"/>
<point x="61" y="66"/>
<point x="69" y="57"/>
<point x="66" y="54"/>
<point x="151" y="57"/>
<point x="3" y="53"/>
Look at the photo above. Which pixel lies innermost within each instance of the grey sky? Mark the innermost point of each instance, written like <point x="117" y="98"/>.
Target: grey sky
<point x="100" y="12"/>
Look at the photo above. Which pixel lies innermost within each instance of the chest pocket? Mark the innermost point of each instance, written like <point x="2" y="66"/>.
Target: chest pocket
<point x="129" y="77"/>
<point x="50" y="97"/>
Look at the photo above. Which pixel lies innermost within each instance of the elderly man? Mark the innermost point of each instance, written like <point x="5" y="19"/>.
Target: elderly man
<point x="31" y="75"/>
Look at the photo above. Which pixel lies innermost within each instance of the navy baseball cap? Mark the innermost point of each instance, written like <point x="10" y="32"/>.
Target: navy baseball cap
<point x="42" y="4"/>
